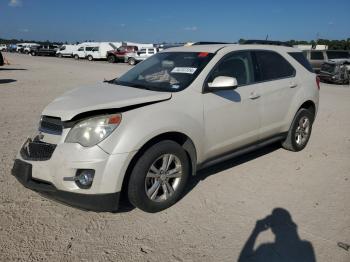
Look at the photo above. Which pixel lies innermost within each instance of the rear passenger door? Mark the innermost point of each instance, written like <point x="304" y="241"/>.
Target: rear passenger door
<point x="278" y="86"/>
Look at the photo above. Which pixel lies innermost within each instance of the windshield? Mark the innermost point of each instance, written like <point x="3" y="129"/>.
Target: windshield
<point x="166" y="72"/>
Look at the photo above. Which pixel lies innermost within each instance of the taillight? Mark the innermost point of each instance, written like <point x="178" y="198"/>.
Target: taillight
<point x="318" y="82"/>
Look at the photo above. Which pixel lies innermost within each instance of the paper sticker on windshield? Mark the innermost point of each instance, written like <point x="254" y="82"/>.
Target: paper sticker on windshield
<point x="184" y="70"/>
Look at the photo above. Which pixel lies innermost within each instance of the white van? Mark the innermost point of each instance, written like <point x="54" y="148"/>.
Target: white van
<point x="95" y="51"/>
<point x="66" y="50"/>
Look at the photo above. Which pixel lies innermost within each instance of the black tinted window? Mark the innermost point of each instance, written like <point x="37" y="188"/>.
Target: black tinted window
<point x="316" y="56"/>
<point x="237" y="65"/>
<point x="273" y="66"/>
<point x="300" y="57"/>
<point x="337" y="54"/>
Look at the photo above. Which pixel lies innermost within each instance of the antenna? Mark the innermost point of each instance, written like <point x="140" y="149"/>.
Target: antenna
<point x="267" y="36"/>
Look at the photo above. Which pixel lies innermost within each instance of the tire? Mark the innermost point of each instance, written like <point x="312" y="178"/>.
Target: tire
<point x="157" y="199"/>
<point x="111" y="59"/>
<point x="60" y="55"/>
<point x="90" y="58"/>
<point x="76" y="57"/>
<point x="33" y="53"/>
<point x="300" y="131"/>
<point x="131" y="61"/>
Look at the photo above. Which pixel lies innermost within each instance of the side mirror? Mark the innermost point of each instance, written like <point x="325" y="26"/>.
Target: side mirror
<point x="223" y="83"/>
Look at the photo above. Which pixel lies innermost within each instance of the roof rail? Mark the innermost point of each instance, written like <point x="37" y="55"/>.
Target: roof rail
<point x="210" y="43"/>
<point x="265" y="42"/>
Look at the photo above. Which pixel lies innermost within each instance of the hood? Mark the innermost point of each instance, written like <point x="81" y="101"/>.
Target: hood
<point x="99" y="97"/>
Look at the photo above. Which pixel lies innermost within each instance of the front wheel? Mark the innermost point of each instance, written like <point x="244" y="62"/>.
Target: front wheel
<point x="159" y="177"/>
<point x="300" y="131"/>
<point x="90" y="58"/>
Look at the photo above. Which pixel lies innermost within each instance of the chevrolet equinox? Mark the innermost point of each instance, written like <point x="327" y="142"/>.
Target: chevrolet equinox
<point x="181" y="110"/>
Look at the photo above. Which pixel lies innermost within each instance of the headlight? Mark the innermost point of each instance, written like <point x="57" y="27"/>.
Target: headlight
<point x="93" y="130"/>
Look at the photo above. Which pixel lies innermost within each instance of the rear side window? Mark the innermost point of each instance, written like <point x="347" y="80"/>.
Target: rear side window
<point x="316" y="56"/>
<point x="300" y="57"/>
<point x="273" y="66"/>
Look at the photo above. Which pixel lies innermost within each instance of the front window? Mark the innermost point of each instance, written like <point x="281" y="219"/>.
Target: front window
<point x="166" y="72"/>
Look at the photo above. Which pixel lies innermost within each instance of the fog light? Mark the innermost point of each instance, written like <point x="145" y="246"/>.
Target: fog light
<point x="84" y="178"/>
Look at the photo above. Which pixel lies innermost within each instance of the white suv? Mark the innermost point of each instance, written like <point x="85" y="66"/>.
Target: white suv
<point x="182" y="109"/>
<point x="141" y="55"/>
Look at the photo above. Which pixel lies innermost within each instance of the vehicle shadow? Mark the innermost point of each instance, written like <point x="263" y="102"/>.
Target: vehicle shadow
<point x="6" y="81"/>
<point x="13" y="69"/>
<point x="287" y="245"/>
<point x="212" y="170"/>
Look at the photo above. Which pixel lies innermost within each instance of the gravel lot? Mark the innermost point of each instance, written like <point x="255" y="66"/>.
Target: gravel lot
<point x="217" y="215"/>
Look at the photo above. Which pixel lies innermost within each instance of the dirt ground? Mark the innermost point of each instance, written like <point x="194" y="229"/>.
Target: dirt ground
<point x="222" y="205"/>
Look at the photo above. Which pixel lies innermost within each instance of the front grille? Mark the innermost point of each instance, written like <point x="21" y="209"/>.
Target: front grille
<point x="51" y="125"/>
<point x="37" y="151"/>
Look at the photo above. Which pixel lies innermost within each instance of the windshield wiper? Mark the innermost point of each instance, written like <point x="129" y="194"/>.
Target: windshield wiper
<point x="110" y="81"/>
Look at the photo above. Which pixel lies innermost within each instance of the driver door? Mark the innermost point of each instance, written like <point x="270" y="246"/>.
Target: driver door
<point x="232" y="117"/>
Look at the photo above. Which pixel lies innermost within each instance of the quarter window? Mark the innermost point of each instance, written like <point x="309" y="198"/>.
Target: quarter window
<point x="273" y="66"/>
<point x="316" y="55"/>
<point x="237" y="65"/>
<point x="81" y="49"/>
<point x="298" y="56"/>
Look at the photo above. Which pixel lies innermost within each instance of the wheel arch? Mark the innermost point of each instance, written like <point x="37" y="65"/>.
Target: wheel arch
<point x="309" y="105"/>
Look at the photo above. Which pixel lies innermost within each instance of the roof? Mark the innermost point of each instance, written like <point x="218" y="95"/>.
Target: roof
<point x="217" y="47"/>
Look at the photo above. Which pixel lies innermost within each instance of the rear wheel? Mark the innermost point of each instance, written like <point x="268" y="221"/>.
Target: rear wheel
<point x="159" y="177"/>
<point x="300" y="131"/>
<point x="132" y="61"/>
<point x="76" y="57"/>
<point x="111" y="59"/>
<point x="90" y="58"/>
<point x="33" y="53"/>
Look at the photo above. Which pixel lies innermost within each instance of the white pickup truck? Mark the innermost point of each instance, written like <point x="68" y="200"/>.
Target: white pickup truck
<point x="141" y="55"/>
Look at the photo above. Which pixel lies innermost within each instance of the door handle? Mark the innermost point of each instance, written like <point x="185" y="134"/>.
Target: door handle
<point x="293" y="85"/>
<point x="254" y="95"/>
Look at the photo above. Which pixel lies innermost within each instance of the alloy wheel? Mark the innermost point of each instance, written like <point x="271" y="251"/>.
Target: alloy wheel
<point x="163" y="177"/>
<point x="302" y="132"/>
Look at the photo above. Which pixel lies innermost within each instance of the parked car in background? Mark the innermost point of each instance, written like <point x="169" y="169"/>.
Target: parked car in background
<point x="134" y="134"/>
<point x="95" y="51"/>
<point x="335" y="71"/>
<point x="66" y="50"/>
<point x="43" y="50"/>
<point x="318" y="57"/>
<point x="27" y="47"/>
<point x="121" y="54"/>
<point x="141" y="55"/>
<point x="11" y="48"/>
<point x="3" y="47"/>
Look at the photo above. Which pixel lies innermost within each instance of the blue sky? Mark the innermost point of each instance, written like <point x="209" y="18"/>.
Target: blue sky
<point x="155" y="21"/>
